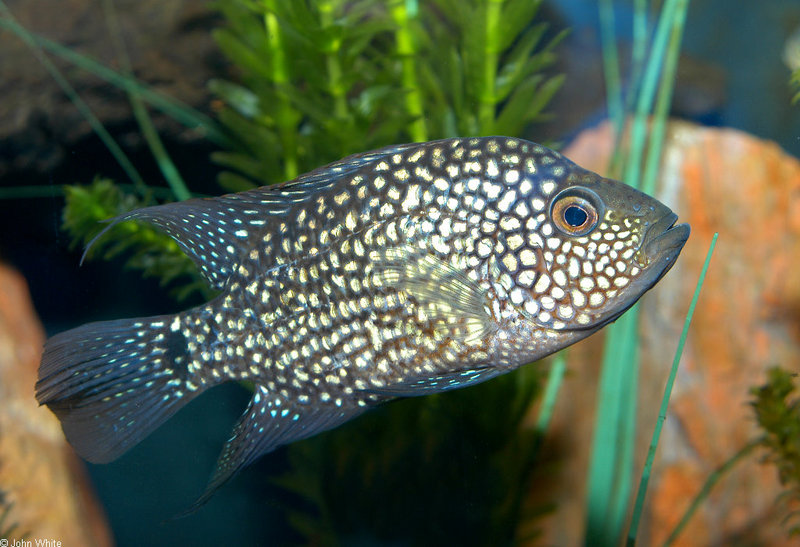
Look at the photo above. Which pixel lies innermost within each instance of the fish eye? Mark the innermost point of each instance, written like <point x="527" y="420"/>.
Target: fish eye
<point x="574" y="214"/>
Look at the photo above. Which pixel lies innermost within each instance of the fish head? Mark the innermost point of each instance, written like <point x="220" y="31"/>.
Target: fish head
<point x="594" y="249"/>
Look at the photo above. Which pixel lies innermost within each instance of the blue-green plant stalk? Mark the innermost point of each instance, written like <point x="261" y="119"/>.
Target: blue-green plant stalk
<point x="609" y="479"/>
<point x="711" y="481"/>
<point x="555" y="377"/>
<point x="638" y="47"/>
<point x="671" y="10"/>
<point x="9" y="22"/>
<point x="611" y="65"/>
<point x="638" y="56"/>
<point x="143" y="119"/>
<point x="664" y="99"/>
<point x="179" y="111"/>
<point x="610" y="470"/>
<point x="403" y="12"/>
<point x="662" y="414"/>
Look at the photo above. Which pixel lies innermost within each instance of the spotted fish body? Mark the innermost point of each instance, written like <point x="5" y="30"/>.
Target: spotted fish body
<point x="404" y="271"/>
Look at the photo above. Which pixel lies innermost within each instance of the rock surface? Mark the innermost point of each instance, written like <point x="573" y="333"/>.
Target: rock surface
<point x="747" y="320"/>
<point x="170" y="48"/>
<point x="42" y="483"/>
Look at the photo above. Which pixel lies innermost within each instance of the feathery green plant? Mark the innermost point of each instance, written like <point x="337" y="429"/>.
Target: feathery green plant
<point x="147" y="249"/>
<point x="367" y="75"/>
<point x="779" y="418"/>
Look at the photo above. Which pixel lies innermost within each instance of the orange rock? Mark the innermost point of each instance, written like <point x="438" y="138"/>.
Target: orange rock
<point x="747" y="320"/>
<point x="41" y="480"/>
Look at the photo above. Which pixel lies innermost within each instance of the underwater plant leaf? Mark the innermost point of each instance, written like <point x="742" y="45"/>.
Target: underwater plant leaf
<point x="516" y="17"/>
<point x="526" y="103"/>
<point x="779" y="417"/>
<point x="238" y="97"/>
<point x="149" y="250"/>
<point x="241" y="53"/>
<point x="517" y="66"/>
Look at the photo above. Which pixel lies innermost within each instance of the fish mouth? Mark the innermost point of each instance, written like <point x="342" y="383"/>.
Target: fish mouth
<point x="663" y="242"/>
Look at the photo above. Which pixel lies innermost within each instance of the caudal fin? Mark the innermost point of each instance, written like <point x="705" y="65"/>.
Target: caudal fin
<point x="112" y="383"/>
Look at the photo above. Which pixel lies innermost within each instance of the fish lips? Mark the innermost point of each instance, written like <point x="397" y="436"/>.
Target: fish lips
<point x="663" y="243"/>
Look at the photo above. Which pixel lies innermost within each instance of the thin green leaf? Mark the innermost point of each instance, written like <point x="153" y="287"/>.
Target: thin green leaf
<point x="662" y="414"/>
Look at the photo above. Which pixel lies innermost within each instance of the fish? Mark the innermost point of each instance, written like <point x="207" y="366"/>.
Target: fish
<point x="405" y="271"/>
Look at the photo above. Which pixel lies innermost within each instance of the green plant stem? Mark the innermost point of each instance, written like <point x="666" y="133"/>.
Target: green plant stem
<point x="662" y="414"/>
<point x="653" y="73"/>
<point x="554" y="380"/>
<point x="639" y="47"/>
<point x="609" y="479"/>
<point x="287" y="116"/>
<point x="638" y="55"/>
<point x="610" y="476"/>
<point x="179" y="111"/>
<point x="664" y="99"/>
<point x="611" y="64"/>
<point x="403" y="11"/>
<point x="711" y="481"/>
<point x="154" y="142"/>
<point x="487" y="95"/>
<point x="332" y="63"/>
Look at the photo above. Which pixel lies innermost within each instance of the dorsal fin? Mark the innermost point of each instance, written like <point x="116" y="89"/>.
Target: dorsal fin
<point x="214" y="232"/>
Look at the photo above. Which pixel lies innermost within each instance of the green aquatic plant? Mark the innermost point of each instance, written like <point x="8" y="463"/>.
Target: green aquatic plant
<point x="366" y="74"/>
<point x="311" y="88"/>
<point x="638" y="505"/>
<point x="146" y="248"/>
<point x="424" y="471"/>
<point x="795" y="83"/>
<point x="778" y="417"/>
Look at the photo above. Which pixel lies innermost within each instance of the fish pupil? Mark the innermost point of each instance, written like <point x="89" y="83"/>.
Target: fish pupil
<point x="575" y="216"/>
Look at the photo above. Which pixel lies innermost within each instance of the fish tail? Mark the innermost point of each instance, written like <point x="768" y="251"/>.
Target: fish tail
<point x="112" y="383"/>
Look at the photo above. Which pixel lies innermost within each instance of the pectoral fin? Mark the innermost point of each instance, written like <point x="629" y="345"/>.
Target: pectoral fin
<point x="449" y="297"/>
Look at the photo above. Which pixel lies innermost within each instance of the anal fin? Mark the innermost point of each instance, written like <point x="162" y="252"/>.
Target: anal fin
<point x="269" y="422"/>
